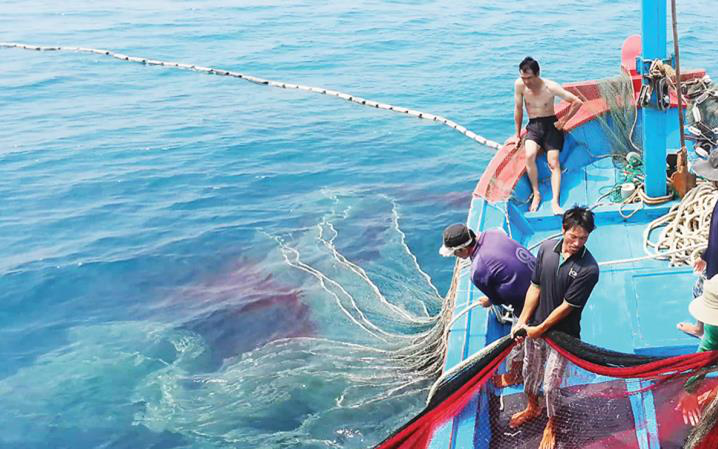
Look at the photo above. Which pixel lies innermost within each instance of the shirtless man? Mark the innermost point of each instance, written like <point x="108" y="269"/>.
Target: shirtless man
<point x="544" y="129"/>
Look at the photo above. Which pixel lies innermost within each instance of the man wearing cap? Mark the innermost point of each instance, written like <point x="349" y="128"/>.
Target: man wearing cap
<point x="500" y="268"/>
<point x="705" y="309"/>
<point x="562" y="282"/>
<point x="707" y="263"/>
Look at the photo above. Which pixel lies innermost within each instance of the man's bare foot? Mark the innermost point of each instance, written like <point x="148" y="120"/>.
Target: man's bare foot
<point x="556" y="208"/>
<point x="507" y="379"/>
<point x="691" y="329"/>
<point x="549" y="436"/>
<point x="530" y="412"/>
<point x="535" y="203"/>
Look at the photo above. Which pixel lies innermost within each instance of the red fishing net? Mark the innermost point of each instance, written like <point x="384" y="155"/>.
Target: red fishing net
<point x="600" y="399"/>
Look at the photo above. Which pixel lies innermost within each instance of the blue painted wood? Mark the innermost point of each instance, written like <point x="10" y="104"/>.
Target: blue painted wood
<point x="662" y="298"/>
<point x="644" y="412"/>
<point x="442" y="438"/>
<point x="653" y="27"/>
<point x="465" y="425"/>
<point x="482" y="432"/>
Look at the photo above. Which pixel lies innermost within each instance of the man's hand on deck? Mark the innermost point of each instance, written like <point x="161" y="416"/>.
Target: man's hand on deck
<point x="559" y="125"/>
<point x="688" y="406"/>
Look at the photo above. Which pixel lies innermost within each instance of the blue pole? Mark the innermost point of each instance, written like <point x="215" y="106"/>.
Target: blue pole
<point x="653" y="25"/>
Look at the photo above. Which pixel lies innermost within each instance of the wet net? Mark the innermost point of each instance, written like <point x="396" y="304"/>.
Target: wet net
<point x="598" y="399"/>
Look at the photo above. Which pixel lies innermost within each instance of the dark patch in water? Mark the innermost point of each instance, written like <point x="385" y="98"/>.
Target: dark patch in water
<point x="244" y="310"/>
<point x="447" y="200"/>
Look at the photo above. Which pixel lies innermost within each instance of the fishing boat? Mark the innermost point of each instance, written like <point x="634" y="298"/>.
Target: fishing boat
<point x="637" y="302"/>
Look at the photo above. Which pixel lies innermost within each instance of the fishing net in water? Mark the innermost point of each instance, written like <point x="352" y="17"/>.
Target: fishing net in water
<point x="605" y="399"/>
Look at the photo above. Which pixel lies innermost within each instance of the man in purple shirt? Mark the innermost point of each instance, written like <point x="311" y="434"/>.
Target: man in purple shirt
<point x="500" y="268"/>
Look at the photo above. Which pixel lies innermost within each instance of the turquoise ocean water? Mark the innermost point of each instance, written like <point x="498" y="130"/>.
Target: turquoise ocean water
<point x="194" y="261"/>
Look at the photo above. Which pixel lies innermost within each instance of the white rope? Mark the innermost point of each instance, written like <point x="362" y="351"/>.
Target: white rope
<point x="279" y="84"/>
<point x="686" y="226"/>
<point x="395" y="223"/>
<point x="365" y="324"/>
<point x="661" y="255"/>
<point x="359" y="271"/>
<point x="463" y="312"/>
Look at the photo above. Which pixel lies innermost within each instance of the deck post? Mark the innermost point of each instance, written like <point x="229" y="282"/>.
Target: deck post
<point x="654" y="30"/>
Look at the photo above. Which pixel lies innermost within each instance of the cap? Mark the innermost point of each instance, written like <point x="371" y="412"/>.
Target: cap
<point x="456" y="236"/>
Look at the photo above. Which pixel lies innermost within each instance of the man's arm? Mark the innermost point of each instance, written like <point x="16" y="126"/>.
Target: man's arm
<point x="518" y="107"/>
<point x="576" y="103"/>
<point x="558" y="314"/>
<point x="530" y="304"/>
<point x="533" y="294"/>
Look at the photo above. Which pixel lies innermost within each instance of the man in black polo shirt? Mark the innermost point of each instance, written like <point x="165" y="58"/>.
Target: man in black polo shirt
<point x="562" y="281"/>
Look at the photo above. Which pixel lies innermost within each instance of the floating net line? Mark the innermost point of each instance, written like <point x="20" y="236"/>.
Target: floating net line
<point x="605" y="399"/>
<point x="279" y="84"/>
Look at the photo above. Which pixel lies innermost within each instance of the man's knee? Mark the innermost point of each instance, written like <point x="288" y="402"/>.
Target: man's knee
<point x="531" y="150"/>
<point x="553" y="161"/>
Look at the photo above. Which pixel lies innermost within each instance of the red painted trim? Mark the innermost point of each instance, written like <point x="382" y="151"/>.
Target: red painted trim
<point x="501" y="175"/>
<point x="632" y="47"/>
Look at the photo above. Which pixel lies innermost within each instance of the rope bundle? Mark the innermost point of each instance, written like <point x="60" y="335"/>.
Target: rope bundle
<point x="279" y="84"/>
<point x="660" y="76"/>
<point x="687" y="224"/>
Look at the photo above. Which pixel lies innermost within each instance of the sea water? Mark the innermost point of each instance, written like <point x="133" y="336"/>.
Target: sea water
<point x="197" y="261"/>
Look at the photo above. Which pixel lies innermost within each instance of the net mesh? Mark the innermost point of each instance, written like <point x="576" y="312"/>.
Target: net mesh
<point x="702" y="113"/>
<point x="603" y="399"/>
<point x="620" y="120"/>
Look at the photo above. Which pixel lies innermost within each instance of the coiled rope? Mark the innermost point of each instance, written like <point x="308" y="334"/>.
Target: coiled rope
<point x="640" y="195"/>
<point x="279" y="84"/>
<point x="632" y="173"/>
<point x="686" y="226"/>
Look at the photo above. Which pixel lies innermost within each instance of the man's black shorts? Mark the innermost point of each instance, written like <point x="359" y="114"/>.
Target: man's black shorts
<point x="542" y="131"/>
